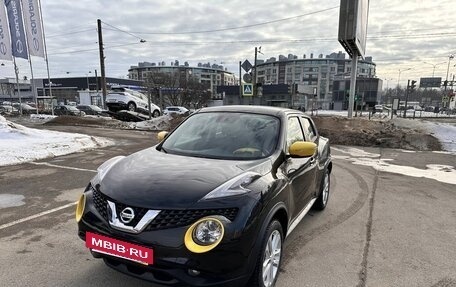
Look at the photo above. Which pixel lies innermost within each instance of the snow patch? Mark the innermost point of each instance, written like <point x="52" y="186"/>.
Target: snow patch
<point x="11" y="200"/>
<point x="154" y="124"/>
<point x="442" y="173"/>
<point x="21" y="144"/>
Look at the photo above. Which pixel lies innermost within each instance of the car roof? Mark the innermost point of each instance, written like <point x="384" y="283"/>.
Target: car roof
<point x="267" y="110"/>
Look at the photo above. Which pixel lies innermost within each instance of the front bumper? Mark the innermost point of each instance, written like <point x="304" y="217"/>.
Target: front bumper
<point x="229" y="264"/>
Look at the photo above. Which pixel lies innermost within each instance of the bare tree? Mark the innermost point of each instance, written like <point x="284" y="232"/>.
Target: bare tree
<point x="178" y="89"/>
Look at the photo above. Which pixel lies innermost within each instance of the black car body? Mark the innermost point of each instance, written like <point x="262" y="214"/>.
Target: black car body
<point x="67" y="110"/>
<point x="93" y="110"/>
<point x="243" y="201"/>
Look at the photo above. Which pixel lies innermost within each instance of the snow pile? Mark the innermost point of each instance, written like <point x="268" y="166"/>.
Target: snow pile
<point x="444" y="132"/>
<point x="155" y="124"/>
<point x="41" y="117"/>
<point x="20" y="144"/>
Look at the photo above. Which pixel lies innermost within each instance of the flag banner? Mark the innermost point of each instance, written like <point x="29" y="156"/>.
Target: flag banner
<point x="13" y="8"/>
<point x="33" y="27"/>
<point x="5" y="40"/>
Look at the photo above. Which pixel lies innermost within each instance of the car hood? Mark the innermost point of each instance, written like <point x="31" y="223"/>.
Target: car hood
<point x="157" y="180"/>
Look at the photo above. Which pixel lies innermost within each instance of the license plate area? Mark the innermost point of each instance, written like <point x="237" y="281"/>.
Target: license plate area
<point x="119" y="248"/>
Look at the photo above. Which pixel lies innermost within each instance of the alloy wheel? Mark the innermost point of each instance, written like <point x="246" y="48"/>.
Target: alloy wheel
<point x="272" y="254"/>
<point x="326" y="189"/>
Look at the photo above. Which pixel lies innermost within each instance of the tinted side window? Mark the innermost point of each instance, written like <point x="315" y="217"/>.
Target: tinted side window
<point x="294" y="131"/>
<point x="309" y="131"/>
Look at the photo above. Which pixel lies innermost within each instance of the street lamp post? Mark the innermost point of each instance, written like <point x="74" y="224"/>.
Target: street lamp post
<point x="399" y="79"/>
<point x="399" y="76"/>
<point x="434" y="66"/>
<point x="450" y="57"/>
<point x="386" y="91"/>
<point x="87" y="75"/>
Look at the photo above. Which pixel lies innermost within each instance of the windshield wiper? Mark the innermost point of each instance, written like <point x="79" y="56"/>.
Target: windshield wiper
<point x="163" y="149"/>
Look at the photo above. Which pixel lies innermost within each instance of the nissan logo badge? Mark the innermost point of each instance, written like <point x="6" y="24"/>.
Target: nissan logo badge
<point x="127" y="215"/>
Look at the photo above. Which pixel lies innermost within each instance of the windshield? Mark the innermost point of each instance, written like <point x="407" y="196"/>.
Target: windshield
<point x="225" y="136"/>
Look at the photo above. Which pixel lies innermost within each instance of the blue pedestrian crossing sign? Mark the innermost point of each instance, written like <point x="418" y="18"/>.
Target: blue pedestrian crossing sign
<point x="247" y="90"/>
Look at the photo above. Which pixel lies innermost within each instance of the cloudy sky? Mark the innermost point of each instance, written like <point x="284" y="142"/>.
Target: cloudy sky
<point x="409" y="35"/>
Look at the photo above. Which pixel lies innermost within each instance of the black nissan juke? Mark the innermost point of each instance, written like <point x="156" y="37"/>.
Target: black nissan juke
<point x="213" y="202"/>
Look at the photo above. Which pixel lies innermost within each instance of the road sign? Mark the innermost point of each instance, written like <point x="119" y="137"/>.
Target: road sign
<point x="444" y="99"/>
<point x="247" y="78"/>
<point x="246" y="66"/>
<point x="247" y="90"/>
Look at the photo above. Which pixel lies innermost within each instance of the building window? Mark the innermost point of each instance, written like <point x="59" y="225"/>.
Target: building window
<point x="274" y="71"/>
<point x="333" y="69"/>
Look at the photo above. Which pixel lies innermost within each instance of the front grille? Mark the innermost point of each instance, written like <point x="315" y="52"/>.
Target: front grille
<point x="100" y="203"/>
<point x="177" y="218"/>
<point x="166" y="218"/>
<point x="139" y="213"/>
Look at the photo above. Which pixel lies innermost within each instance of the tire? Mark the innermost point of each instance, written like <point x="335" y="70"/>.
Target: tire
<point x="323" y="197"/>
<point x="132" y="107"/>
<point x="155" y="114"/>
<point x="267" y="276"/>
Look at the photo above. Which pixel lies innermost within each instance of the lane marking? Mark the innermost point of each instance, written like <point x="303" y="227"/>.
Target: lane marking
<point x="3" y="226"/>
<point x="62" y="166"/>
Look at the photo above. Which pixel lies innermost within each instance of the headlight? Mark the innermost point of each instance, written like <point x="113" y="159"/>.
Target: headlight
<point x="80" y="207"/>
<point x="235" y="186"/>
<point x="204" y="235"/>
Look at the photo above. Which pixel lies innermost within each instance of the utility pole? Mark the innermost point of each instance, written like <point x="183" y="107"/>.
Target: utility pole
<point x="406" y="98"/>
<point x="240" y="83"/>
<point x="354" y="70"/>
<point x="102" y="63"/>
<point x="255" y="74"/>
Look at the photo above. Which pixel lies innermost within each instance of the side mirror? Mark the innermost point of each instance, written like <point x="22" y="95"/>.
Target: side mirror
<point x="162" y="135"/>
<point x="302" y="149"/>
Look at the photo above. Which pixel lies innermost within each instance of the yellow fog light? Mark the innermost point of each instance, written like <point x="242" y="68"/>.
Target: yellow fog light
<point x="80" y="207"/>
<point x="204" y="235"/>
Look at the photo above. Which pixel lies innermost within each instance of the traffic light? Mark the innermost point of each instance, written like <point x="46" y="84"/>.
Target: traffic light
<point x="290" y="89"/>
<point x="413" y="85"/>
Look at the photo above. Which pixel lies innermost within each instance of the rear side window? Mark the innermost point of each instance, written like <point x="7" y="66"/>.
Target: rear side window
<point x="309" y="131"/>
<point x="294" y="131"/>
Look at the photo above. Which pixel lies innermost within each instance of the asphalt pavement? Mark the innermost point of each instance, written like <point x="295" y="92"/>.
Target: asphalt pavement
<point x="384" y="225"/>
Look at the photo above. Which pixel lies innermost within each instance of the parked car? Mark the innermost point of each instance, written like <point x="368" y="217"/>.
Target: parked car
<point x="378" y="108"/>
<point x="67" y="110"/>
<point x="93" y="110"/>
<point x="8" y="110"/>
<point x="26" y="108"/>
<point x="126" y="99"/>
<point x="213" y="202"/>
<point x="175" y="110"/>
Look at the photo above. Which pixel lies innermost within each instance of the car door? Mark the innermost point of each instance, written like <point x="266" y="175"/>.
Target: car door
<point x="311" y="135"/>
<point x="299" y="171"/>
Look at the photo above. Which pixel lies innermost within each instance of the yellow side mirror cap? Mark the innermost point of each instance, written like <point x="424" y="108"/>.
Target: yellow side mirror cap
<point x="302" y="149"/>
<point x="162" y="135"/>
